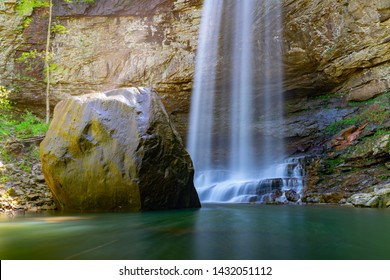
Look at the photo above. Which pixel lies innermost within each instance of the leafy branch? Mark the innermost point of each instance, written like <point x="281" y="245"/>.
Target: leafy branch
<point x="25" y="8"/>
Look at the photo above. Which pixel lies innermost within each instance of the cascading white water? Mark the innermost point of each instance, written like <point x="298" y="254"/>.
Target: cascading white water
<point x="242" y="162"/>
<point x="237" y="104"/>
<point x="201" y="122"/>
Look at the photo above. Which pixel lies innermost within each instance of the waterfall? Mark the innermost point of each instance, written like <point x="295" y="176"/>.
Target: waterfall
<point x="236" y="116"/>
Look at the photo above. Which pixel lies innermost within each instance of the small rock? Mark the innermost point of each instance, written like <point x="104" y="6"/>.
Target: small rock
<point x="48" y="207"/>
<point x="382" y="145"/>
<point x="40" y="179"/>
<point x="253" y="199"/>
<point x="33" y="197"/>
<point x="313" y="198"/>
<point x="343" y="201"/>
<point x="40" y="202"/>
<point x="12" y="192"/>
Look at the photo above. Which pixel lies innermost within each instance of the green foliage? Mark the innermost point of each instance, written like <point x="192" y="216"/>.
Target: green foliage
<point x="3" y="179"/>
<point x="79" y="1"/>
<point x="30" y="59"/>
<point x="25" y="7"/>
<point x="24" y="166"/>
<point x="35" y="152"/>
<point x="28" y="125"/>
<point x="32" y="55"/>
<point x="20" y="76"/>
<point x="58" y="28"/>
<point x="381" y="100"/>
<point x="325" y="96"/>
<point x="33" y="58"/>
<point x="28" y="55"/>
<point x="335" y="127"/>
<point x="4" y="155"/>
<point x="374" y="111"/>
<point x="5" y="104"/>
<point x="331" y="164"/>
<point x="381" y="132"/>
<point x="27" y="21"/>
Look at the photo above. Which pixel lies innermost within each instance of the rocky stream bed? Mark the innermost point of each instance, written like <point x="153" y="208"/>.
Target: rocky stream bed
<point x="23" y="187"/>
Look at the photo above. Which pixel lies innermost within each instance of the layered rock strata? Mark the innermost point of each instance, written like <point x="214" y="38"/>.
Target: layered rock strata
<point x="329" y="46"/>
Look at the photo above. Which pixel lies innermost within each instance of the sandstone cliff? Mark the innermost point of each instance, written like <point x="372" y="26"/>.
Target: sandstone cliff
<point x="330" y="46"/>
<point x="338" y="46"/>
<point x="107" y="45"/>
<point x="336" y="49"/>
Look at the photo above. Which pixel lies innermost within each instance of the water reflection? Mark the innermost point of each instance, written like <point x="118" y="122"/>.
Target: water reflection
<point x="213" y="232"/>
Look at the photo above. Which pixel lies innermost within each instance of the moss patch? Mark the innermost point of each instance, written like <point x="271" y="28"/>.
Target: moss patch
<point x="375" y="111"/>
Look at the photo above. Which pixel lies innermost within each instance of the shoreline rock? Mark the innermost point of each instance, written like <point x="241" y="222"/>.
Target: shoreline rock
<point x="379" y="197"/>
<point x="24" y="190"/>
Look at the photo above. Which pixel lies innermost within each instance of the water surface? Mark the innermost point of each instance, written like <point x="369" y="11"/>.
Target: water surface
<point x="213" y="232"/>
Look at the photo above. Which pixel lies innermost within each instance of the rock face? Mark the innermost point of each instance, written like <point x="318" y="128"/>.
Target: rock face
<point x="329" y="46"/>
<point x="338" y="46"/>
<point x="10" y="41"/>
<point x="378" y="197"/>
<point x="116" y="150"/>
<point x="336" y="49"/>
<point x="346" y="159"/>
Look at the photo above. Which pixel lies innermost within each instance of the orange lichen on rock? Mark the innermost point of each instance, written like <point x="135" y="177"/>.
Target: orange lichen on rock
<point x="347" y="136"/>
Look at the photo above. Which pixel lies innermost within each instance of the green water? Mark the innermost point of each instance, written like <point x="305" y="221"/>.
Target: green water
<point x="213" y="232"/>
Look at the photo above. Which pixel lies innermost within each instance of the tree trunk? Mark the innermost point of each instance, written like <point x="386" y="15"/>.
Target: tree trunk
<point x="47" y="63"/>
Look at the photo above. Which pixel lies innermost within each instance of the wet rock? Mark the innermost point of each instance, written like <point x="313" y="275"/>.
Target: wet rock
<point x="268" y="186"/>
<point x="292" y="195"/>
<point x="378" y="198"/>
<point x="116" y="149"/>
<point x="312" y="198"/>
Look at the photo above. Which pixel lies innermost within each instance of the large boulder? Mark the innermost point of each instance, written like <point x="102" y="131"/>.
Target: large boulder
<point x="116" y="150"/>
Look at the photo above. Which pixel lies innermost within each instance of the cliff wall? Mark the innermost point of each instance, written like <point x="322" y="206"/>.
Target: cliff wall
<point x="336" y="56"/>
<point x="330" y="46"/>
